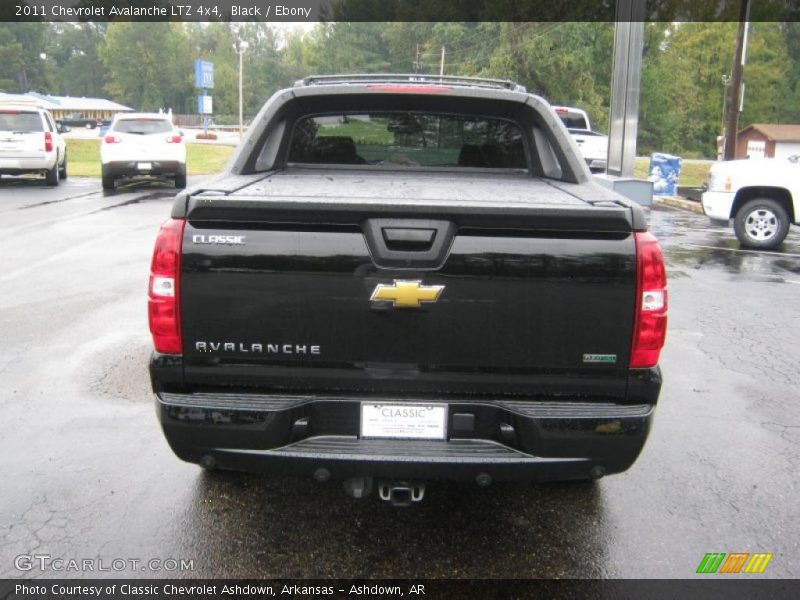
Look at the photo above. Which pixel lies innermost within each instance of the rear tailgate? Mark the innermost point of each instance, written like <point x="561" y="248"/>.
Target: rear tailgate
<point x="536" y="297"/>
<point x="593" y="145"/>
<point x="21" y="134"/>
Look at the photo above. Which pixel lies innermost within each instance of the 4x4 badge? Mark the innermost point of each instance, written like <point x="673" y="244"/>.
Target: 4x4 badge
<point x="406" y="294"/>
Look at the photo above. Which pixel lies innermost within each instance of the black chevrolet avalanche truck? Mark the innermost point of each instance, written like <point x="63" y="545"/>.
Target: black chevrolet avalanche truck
<point x="401" y="279"/>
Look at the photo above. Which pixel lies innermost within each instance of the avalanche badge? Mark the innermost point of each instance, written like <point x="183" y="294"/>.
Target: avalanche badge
<point x="406" y="294"/>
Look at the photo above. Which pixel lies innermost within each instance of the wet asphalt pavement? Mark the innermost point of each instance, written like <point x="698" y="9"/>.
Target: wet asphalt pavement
<point x="86" y="474"/>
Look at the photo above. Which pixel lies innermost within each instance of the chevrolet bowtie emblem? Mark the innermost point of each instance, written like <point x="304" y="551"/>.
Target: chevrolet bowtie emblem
<point x="409" y="294"/>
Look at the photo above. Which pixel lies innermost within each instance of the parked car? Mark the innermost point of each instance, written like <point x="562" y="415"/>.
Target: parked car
<point x="104" y="125"/>
<point x="593" y="145"/>
<point x="142" y="144"/>
<point x="80" y="120"/>
<point x="30" y="142"/>
<point x="399" y="279"/>
<point x="761" y="195"/>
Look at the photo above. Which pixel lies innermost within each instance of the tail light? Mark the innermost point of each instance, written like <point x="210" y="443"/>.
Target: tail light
<point x="163" y="305"/>
<point x="48" y="141"/>
<point x="650" y="324"/>
<point x="174" y="139"/>
<point x="112" y="139"/>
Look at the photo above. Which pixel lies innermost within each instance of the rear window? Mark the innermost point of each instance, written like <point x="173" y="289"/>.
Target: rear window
<point x="25" y="122"/>
<point x="573" y="120"/>
<point x="408" y="139"/>
<point x="143" y="126"/>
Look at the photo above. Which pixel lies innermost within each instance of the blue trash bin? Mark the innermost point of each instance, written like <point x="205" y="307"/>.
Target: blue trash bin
<point x="664" y="172"/>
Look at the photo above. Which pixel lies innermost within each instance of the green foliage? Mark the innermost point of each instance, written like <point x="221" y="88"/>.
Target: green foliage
<point x="150" y="65"/>
<point x="23" y="65"/>
<point x="682" y="86"/>
<point x="767" y="76"/>
<point x="567" y="63"/>
<point x="73" y="53"/>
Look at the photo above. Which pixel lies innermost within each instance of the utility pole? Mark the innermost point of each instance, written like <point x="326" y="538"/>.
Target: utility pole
<point x="726" y="81"/>
<point x="417" y="64"/>
<point x="441" y="66"/>
<point x="736" y="83"/>
<point x="723" y="136"/>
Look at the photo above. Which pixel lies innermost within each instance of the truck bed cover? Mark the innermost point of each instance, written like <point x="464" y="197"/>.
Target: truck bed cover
<point x="301" y="192"/>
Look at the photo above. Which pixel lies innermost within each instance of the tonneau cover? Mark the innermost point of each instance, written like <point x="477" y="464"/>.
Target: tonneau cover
<point x="470" y="198"/>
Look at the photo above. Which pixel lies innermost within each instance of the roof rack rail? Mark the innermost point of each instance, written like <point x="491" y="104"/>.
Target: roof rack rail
<point x="428" y="79"/>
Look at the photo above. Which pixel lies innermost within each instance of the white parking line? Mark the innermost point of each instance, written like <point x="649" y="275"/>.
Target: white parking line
<point x="745" y="251"/>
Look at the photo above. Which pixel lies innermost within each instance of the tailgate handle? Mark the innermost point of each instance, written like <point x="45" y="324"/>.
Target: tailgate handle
<point x="409" y="243"/>
<point x="408" y="238"/>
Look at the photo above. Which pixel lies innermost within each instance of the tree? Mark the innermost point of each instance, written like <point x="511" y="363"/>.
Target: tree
<point x="347" y="48"/>
<point x="149" y="65"/>
<point x="72" y="49"/>
<point x="567" y="63"/>
<point x="681" y="108"/>
<point x="266" y="69"/>
<point x="23" y="67"/>
<point x="767" y="77"/>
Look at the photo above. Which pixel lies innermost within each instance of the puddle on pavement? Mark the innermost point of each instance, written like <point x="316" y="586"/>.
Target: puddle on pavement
<point x="730" y="258"/>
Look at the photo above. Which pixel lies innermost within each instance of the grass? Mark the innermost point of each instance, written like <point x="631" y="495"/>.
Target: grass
<point x="201" y="159"/>
<point x="205" y="159"/>
<point x="372" y="132"/>
<point x="693" y="174"/>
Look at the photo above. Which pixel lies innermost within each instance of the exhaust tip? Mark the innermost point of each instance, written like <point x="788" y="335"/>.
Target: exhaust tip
<point x="208" y="462"/>
<point x="358" y="487"/>
<point x="597" y="472"/>
<point x="483" y="480"/>
<point x="322" y="475"/>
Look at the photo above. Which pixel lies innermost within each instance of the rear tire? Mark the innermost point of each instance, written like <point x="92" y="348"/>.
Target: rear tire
<point x="62" y="172"/>
<point x="108" y="180"/>
<point x="52" y="175"/>
<point x="761" y="223"/>
<point x="180" y="181"/>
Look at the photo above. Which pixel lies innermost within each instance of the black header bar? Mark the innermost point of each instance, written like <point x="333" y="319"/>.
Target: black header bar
<point x="384" y="10"/>
<point x="732" y="588"/>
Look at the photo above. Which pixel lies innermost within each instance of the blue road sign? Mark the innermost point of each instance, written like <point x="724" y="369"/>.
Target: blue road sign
<point x="203" y="74"/>
<point x="204" y="105"/>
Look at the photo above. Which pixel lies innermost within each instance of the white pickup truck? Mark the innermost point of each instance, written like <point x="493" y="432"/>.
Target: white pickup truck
<point x="593" y="145"/>
<point x="762" y="196"/>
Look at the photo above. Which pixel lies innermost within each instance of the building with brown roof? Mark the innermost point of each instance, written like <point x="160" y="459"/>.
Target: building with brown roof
<point x="768" y="140"/>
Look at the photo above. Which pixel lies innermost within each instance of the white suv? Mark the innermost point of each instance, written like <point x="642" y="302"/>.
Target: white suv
<point x="142" y="144"/>
<point x="30" y="143"/>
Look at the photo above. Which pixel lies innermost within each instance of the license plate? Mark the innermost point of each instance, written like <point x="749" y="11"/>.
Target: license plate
<point x="144" y="166"/>
<point x="404" y="421"/>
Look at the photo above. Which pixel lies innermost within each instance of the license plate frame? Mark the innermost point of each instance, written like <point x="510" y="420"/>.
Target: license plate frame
<point x="405" y="421"/>
<point x="144" y="166"/>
